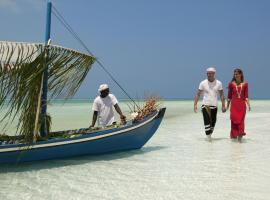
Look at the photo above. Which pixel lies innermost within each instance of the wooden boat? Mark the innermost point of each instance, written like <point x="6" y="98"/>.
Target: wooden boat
<point x="27" y="72"/>
<point x="132" y="136"/>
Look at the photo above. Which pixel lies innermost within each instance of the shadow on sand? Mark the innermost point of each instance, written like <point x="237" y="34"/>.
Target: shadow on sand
<point x="243" y="140"/>
<point x="218" y="139"/>
<point x="214" y="139"/>
<point x="49" y="164"/>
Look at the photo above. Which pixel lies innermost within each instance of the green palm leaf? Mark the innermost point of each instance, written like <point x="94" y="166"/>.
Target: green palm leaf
<point x="22" y="66"/>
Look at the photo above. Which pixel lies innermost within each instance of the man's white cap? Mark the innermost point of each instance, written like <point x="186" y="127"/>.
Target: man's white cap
<point x="103" y="87"/>
<point x="211" y="69"/>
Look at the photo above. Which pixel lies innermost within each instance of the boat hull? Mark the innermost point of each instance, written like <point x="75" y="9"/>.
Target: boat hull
<point x="101" y="142"/>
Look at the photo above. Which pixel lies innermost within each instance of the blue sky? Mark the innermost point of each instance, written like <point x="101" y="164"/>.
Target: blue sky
<point x="155" y="46"/>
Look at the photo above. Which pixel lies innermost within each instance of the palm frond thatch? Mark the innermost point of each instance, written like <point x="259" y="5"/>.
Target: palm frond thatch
<point x="22" y="66"/>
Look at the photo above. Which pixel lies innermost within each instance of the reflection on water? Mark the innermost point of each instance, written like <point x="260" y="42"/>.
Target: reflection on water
<point x="177" y="163"/>
<point x="49" y="164"/>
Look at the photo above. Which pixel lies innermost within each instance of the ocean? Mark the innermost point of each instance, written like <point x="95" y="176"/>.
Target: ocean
<point x="177" y="163"/>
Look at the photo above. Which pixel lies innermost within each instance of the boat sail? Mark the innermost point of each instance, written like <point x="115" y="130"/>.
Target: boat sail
<point x="28" y="71"/>
<point x="22" y="69"/>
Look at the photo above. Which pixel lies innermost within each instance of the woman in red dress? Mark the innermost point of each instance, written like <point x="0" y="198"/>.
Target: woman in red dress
<point x="238" y="98"/>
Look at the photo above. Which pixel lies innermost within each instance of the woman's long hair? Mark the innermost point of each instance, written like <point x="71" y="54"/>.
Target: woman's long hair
<point x="240" y="72"/>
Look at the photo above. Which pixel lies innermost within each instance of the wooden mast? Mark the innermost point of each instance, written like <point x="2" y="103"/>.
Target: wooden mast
<point x="43" y="131"/>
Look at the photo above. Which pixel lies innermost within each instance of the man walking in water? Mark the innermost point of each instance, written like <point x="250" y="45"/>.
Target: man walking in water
<point x="210" y="88"/>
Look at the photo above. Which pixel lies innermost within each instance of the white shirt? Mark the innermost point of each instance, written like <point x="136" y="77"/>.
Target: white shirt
<point x="104" y="107"/>
<point x="210" y="91"/>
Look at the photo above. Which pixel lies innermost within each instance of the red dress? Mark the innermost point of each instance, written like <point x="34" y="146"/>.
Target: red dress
<point x="238" y="95"/>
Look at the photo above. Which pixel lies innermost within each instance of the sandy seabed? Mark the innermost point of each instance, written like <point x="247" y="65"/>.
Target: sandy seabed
<point x="177" y="163"/>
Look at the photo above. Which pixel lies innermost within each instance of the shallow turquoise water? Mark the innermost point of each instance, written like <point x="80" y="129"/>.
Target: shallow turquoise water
<point x="177" y="163"/>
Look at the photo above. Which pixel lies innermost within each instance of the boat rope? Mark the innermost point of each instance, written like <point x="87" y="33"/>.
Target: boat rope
<point x="62" y="20"/>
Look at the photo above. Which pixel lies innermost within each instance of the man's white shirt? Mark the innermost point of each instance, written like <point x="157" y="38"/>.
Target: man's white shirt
<point x="210" y="91"/>
<point x="104" y="107"/>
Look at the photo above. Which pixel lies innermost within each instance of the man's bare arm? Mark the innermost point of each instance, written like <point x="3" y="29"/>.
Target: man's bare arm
<point x="118" y="110"/>
<point x="94" y="119"/>
<point x="196" y="99"/>
<point x="222" y="98"/>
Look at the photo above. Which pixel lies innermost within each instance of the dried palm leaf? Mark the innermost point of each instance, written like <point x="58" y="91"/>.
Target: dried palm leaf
<point x="151" y="104"/>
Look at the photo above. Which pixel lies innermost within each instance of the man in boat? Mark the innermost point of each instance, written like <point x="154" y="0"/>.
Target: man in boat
<point x="103" y="108"/>
<point x="210" y="88"/>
